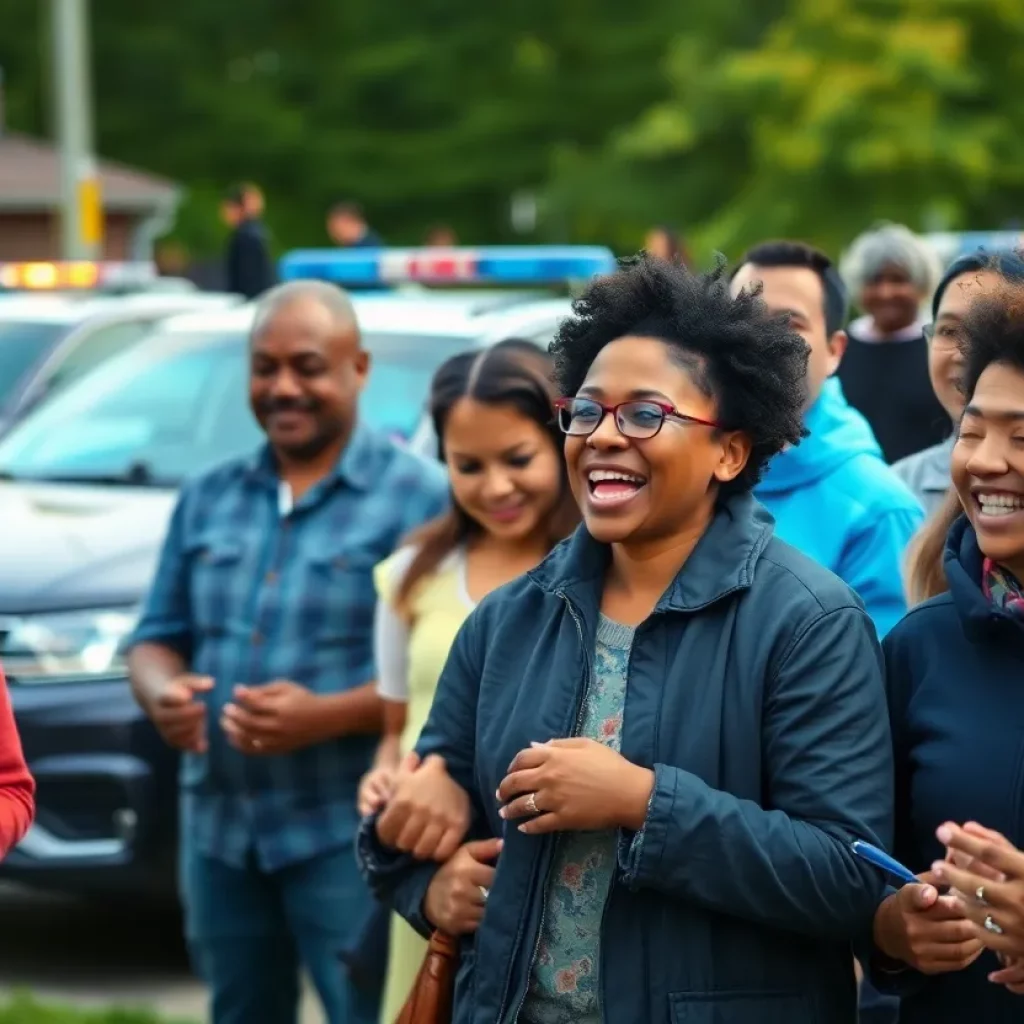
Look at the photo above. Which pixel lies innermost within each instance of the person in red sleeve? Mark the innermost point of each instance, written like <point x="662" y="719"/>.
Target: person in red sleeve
<point x="17" y="787"/>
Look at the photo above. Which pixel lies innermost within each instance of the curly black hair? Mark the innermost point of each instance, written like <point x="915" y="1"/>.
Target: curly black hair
<point x="992" y="332"/>
<point x="747" y="360"/>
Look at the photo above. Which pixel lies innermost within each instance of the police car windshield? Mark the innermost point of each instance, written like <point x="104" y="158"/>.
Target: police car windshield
<point x="21" y="346"/>
<point x="177" y="405"/>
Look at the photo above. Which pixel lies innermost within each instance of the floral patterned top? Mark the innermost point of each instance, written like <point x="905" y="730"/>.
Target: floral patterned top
<point x="564" y="982"/>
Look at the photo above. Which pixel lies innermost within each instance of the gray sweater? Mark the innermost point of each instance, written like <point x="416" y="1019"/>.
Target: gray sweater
<point x="926" y="473"/>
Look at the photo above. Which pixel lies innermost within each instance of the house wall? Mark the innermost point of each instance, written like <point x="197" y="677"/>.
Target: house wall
<point x="36" y="236"/>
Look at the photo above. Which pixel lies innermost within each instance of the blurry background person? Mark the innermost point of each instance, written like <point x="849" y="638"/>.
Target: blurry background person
<point x="890" y="273"/>
<point x="494" y="414"/>
<point x="348" y="229"/>
<point x="956" y="704"/>
<point x="17" y="787"/>
<point x="253" y="200"/>
<point x="171" y="259"/>
<point x="666" y="244"/>
<point x="832" y="495"/>
<point x="926" y="472"/>
<point x="441" y="236"/>
<point x="248" y="265"/>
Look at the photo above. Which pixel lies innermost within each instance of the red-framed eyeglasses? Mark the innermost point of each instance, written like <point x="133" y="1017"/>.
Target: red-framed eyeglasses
<point x="640" y="419"/>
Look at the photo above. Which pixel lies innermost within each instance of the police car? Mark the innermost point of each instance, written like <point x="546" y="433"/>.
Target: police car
<point x="87" y="484"/>
<point x="58" y="321"/>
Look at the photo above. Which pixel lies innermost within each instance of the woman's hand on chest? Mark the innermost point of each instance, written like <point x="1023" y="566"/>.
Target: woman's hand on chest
<point x="574" y="785"/>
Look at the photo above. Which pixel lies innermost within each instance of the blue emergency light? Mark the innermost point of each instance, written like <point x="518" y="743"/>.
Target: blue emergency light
<point x="490" y="265"/>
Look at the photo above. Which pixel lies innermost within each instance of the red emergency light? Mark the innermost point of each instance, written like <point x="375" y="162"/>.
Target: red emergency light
<point x="429" y="266"/>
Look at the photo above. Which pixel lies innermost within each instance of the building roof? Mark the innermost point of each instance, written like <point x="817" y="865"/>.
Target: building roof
<point x="30" y="179"/>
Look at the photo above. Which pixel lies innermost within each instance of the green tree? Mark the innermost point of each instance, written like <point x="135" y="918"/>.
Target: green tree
<point x="424" y="110"/>
<point x="843" y="113"/>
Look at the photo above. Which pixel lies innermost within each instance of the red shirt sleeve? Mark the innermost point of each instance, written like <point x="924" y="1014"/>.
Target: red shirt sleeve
<point x="17" y="787"/>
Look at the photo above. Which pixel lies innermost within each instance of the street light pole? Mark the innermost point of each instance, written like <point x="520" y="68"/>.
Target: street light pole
<point x="81" y="212"/>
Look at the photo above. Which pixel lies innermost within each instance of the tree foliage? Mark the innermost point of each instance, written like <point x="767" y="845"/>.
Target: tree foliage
<point x="734" y="120"/>
<point x="438" y="110"/>
<point x="843" y="112"/>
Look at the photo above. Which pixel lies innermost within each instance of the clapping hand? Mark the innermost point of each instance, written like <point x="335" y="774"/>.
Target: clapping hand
<point x="988" y="873"/>
<point x="275" y="718"/>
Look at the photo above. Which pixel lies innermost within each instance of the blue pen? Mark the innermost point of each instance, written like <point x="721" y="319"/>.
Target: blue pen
<point x="880" y="859"/>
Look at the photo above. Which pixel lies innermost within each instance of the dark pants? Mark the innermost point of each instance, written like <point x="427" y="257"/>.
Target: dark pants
<point x="249" y="932"/>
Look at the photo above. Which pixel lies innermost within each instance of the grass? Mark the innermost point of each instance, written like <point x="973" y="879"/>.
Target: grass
<point x="24" y="1009"/>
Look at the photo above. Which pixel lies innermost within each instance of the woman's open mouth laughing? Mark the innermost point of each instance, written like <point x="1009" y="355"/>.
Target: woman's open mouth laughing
<point x="998" y="509"/>
<point x="613" y="488"/>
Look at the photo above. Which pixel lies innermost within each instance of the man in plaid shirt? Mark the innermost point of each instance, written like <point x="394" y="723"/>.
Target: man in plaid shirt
<point x="254" y="657"/>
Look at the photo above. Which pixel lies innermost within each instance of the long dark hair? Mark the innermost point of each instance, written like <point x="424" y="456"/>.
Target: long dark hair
<point x="514" y="373"/>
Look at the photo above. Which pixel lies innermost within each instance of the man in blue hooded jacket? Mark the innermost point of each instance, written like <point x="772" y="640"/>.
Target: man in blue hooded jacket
<point x="832" y="496"/>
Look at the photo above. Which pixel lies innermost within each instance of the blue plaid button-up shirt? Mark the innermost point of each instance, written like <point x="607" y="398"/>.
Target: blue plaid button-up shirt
<point x="249" y="592"/>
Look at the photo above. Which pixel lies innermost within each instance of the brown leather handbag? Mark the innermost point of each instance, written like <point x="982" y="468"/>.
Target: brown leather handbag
<point x="433" y="991"/>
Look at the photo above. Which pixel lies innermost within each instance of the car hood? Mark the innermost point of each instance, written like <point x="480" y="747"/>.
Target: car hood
<point x="66" y="547"/>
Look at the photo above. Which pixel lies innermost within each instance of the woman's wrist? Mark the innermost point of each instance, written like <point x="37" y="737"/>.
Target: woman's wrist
<point x="882" y="934"/>
<point x="635" y="794"/>
<point x="389" y="752"/>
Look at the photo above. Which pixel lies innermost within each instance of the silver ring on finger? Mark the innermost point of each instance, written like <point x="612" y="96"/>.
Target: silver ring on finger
<point x="484" y="892"/>
<point x="531" y="803"/>
<point x="979" y="894"/>
<point x="992" y="926"/>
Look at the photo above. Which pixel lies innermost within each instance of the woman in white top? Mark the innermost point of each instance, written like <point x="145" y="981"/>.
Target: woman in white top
<point x="494" y="416"/>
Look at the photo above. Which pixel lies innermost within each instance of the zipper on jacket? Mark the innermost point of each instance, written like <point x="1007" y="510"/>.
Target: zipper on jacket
<point x="580" y="710"/>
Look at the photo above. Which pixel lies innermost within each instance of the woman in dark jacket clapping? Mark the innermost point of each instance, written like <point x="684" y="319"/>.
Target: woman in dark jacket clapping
<point x="679" y="718"/>
<point x="954" y="668"/>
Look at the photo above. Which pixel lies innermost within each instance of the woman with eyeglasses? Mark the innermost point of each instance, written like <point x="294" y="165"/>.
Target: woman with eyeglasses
<point x="675" y="723"/>
<point x="967" y="278"/>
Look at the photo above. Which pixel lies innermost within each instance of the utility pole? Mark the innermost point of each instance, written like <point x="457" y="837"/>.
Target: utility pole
<point x="81" y="205"/>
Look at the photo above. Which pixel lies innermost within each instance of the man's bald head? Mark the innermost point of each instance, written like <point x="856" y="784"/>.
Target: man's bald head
<point x="332" y="299"/>
<point x="307" y="368"/>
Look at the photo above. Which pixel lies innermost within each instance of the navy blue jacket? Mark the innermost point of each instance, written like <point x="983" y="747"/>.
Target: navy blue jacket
<point x="955" y="674"/>
<point x="249" y="268"/>
<point x="755" y="693"/>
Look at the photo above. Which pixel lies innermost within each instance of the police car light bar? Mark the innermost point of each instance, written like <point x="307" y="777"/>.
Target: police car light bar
<point x="491" y="265"/>
<point x="74" y="275"/>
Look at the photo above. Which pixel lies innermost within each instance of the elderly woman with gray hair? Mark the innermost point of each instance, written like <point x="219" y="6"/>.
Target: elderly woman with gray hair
<point x="891" y="274"/>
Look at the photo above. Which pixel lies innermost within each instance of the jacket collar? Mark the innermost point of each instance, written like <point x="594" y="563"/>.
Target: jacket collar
<point x="722" y="562"/>
<point x="962" y="561"/>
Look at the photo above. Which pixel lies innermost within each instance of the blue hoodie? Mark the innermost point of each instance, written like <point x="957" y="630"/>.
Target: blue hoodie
<point x="835" y="499"/>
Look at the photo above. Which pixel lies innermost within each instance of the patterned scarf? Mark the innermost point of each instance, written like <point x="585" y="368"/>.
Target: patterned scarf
<point x="1002" y="588"/>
